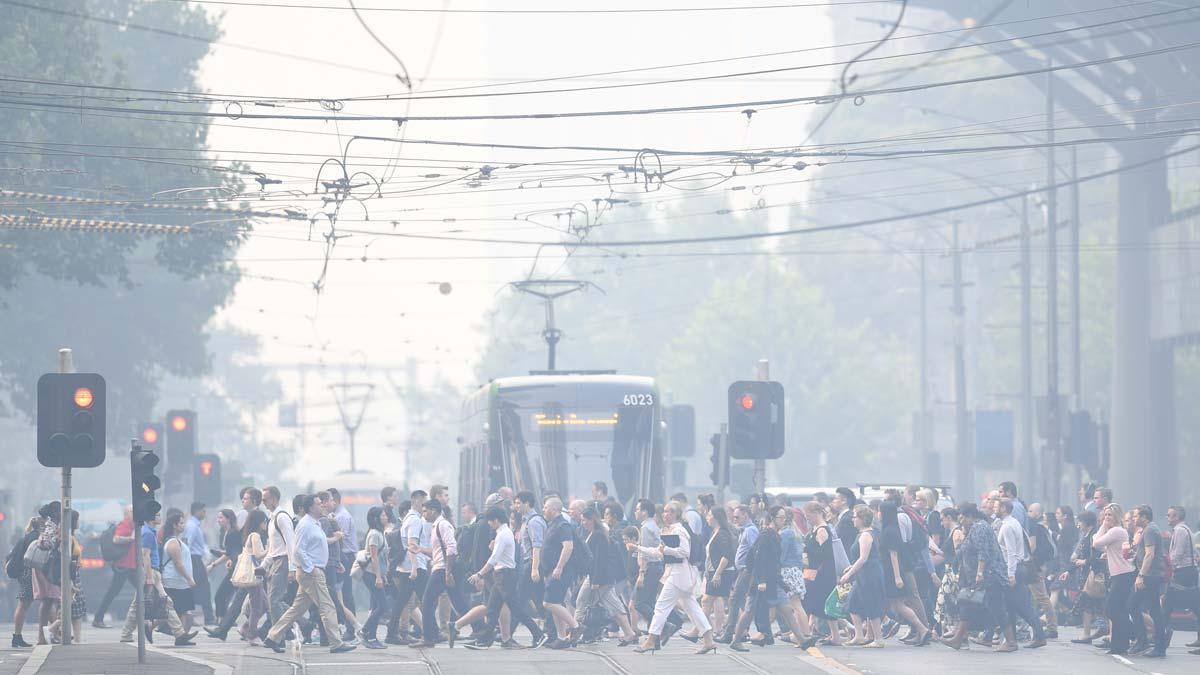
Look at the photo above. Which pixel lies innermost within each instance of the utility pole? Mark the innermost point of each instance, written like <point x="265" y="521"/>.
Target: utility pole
<point x="550" y="290"/>
<point x="964" y="460"/>
<point x="1052" y="462"/>
<point x="763" y="368"/>
<point x="343" y="404"/>
<point x="927" y="460"/>
<point x="1025" y="460"/>
<point x="66" y="365"/>
<point x="1076" y="328"/>
<point x="723" y="461"/>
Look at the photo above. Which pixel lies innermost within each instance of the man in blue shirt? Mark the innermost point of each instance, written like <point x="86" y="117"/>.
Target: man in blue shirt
<point x="345" y="523"/>
<point x="311" y="556"/>
<point x="153" y="581"/>
<point x="193" y="536"/>
<point x="742" y="562"/>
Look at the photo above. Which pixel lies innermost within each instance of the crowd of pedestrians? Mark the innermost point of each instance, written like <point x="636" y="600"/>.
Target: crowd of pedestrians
<point x="568" y="571"/>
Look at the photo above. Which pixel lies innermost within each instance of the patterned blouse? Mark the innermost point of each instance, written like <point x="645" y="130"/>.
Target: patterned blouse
<point x="981" y="542"/>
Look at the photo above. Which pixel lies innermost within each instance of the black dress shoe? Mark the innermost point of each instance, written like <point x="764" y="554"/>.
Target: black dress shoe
<point x="216" y="634"/>
<point x="273" y="646"/>
<point x="739" y="646"/>
<point x="343" y="648"/>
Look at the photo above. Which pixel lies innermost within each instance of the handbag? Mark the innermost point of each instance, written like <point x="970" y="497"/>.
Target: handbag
<point x="1093" y="586"/>
<point x="970" y="597"/>
<point x="156" y="605"/>
<point x="36" y="557"/>
<point x="243" y="572"/>
<point x="835" y="604"/>
<point x="810" y="574"/>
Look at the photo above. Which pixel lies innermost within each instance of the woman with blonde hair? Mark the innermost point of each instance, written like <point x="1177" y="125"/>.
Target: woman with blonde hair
<point x="867" y="600"/>
<point x="1110" y="539"/>
<point x="678" y="583"/>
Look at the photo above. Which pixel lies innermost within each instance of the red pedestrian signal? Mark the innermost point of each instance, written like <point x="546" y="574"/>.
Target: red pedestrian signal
<point x="747" y="402"/>
<point x="206" y="468"/>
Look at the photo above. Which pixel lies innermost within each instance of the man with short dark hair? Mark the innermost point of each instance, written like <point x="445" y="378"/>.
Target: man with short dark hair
<point x="1183" y="592"/>
<point x="345" y="523"/>
<point x="389" y="496"/>
<point x="197" y="545"/>
<point x="1149" y="560"/>
<point x="1008" y="490"/>
<point x="502" y="565"/>
<point x="1018" y="599"/>
<point x="557" y="549"/>
<point x="412" y="571"/>
<point x="743" y="517"/>
<point x="599" y="491"/>
<point x="311" y="555"/>
<point x="441" y="574"/>
<point x="280" y="534"/>
<point x="251" y="498"/>
<point x="440" y="493"/>
<point x="1101" y="498"/>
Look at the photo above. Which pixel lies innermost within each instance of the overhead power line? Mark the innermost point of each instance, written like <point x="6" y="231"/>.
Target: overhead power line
<point x="522" y="11"/>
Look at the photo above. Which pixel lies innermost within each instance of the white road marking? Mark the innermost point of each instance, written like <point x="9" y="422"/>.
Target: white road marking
<point x="339" y="664"/>
<point x="35" y="660"/>
<point x="218" y="668"/>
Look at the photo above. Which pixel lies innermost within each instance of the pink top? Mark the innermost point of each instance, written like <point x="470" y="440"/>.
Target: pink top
<point x="1110" y="542"/>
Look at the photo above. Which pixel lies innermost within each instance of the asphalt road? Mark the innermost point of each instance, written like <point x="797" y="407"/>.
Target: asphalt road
<point x="102" y="654"/>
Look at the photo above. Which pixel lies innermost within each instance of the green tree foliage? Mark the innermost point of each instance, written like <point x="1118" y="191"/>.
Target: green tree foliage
<point x="133" y="306"/>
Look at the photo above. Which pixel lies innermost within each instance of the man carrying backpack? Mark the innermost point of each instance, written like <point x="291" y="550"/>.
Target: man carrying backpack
<point x="116" y="545"/>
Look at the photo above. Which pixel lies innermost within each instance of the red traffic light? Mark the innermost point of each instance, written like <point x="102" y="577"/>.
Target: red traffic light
<point x="206" y="468"/>
<point x="179" y="423"/>
<point x="84" y="398"/>
<point x="747" y="402"/>
<point x="150" y="435"/>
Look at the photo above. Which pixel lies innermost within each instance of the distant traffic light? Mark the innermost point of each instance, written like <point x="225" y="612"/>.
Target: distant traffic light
<point x="143" y="483"/>
<point x="756" y="420"/>
<point x="150" y="437"/>
<point x="70" y="420"/>
<point x="681" y="428"/>
<point x="719" y="475"/>
<point x="206" y="480"/>
<point x="181" y="449"/>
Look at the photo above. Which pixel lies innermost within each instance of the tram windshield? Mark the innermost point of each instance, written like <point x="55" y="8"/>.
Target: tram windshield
<point x="563" y="437"/>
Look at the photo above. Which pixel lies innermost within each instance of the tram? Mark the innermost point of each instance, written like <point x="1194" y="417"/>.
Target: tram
<point x="561" y="431"/>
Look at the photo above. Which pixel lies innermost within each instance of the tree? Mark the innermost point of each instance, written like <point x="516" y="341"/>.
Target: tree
<point x="133" y="306"/>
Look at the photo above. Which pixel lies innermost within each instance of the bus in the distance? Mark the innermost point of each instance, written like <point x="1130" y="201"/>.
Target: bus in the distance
<point x="560" y="432"/>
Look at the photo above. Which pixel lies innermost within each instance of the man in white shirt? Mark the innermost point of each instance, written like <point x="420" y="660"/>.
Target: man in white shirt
<point x="412" y="572"/>
<point x="502" y="565"/>
<point x="278" y="561"/>
<point x="1182" y="593"/>
<point x="1017" y="595"/>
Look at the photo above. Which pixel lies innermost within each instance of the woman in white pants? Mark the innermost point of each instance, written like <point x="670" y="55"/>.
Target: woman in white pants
<point x="678" y="583"/>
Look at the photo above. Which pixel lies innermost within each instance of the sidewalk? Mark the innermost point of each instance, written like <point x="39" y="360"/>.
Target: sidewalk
<point x="107" y="658"/>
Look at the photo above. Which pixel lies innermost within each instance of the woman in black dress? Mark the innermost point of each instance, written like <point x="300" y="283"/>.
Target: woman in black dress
<point x="718" y="573"/>
<point x="820" y="575"/>
<point x="867" y="600"/>
<point x="897" y="560"/>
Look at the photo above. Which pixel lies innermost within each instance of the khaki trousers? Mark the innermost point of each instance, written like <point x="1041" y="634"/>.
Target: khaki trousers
<point x="313" y="591"/>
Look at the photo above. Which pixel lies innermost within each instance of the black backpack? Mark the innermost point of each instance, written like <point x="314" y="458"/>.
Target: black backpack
<point x="698" y="553"/>
<point x="110" y="550"/>
<point x="581" y="556"/>
<point x="14" y="564"/>
<point x="397" y="547"/>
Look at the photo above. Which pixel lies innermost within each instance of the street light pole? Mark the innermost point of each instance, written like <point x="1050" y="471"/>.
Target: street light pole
<point x="1052" y="463"/>
<point x="929" y="472"/>
<point x="965" y="462"/>
<point x="1025" y="461"/>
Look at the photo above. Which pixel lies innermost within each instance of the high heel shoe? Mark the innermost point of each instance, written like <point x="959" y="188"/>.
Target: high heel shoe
<point x="705" y="650"/>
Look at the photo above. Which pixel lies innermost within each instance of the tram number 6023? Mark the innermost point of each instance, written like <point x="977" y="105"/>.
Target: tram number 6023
<point x="638" y="399"/>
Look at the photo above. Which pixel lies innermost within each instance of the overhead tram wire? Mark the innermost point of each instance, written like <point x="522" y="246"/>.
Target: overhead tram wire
<point x="564" y="77"/>
<point x="627" y="112"/>
<point x="860" y="58"/>
<point x="795" y="231"/>
<point x="637" y="10"/>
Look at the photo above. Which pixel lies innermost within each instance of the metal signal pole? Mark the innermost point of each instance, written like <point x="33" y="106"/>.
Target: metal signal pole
<point x="760" y="465"/>
<point x="139" y="572"/>
<point x="65" y="365"/>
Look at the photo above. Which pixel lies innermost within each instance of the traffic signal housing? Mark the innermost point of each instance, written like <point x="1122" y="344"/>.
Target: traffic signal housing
<point x="70" y="420"/>
<point x="756" y="420"/>
<point x="143" y="482"/>
<point x="681" y="428"/>
<point x="719" y="474"/>
<point x="206" y="478"/>
<point x="150" y="437"/>
<point x="181" y="449"/>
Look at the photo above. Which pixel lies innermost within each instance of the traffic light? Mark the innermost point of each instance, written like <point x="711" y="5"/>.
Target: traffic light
<point x="181" y="449"/>
<point x="681" y="427"/>
<point x="70" y="420"/>
<point x="143" y="482"/>
<point x="1083" y="443"/>
<point x="206" y="479"/>
<point x="718" y="472"/>
<point x="755" y="420"/>
<point x="150" y="437"/>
